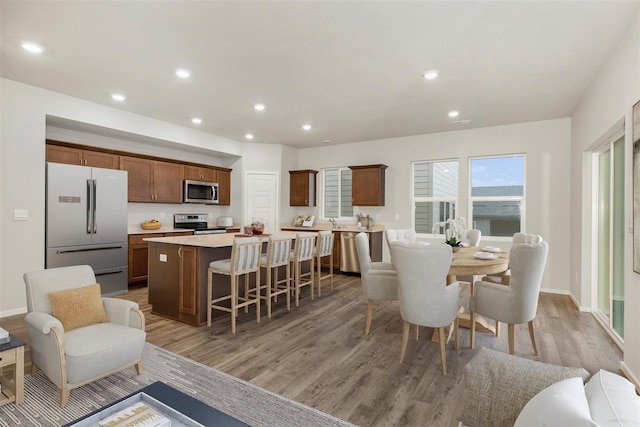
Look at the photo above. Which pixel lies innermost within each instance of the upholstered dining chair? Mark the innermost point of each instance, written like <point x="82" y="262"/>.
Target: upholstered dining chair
<point x="245" y="259"/>
<point x="75" y="335"/>
<point x="324" y="248"/>
<point x="424" y="296"/>
<point x="303" y="251"/>
<point x="505" y="275"/>
<point x="278" y="253"/>
<point x="379" y="279"/>
<point x="516" y="302"/>
<point x="473" y="237"/>
<point x="407" y="235"/>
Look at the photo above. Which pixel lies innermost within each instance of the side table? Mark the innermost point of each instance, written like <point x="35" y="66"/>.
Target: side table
<point x="12" y="354"/>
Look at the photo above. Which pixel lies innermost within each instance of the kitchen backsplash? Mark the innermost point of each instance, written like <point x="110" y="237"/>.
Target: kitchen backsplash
<point x="139" y="212"/>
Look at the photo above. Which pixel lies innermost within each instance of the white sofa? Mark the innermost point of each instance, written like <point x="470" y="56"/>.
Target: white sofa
<point x="505" y="390"/>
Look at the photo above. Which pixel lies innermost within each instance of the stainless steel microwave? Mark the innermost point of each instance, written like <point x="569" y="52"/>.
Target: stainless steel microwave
<point x="200" y="192"/>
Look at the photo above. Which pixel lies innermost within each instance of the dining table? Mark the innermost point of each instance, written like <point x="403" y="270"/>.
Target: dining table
<point x="474" y="261"/>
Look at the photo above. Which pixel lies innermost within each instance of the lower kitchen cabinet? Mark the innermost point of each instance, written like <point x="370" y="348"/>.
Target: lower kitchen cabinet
<point x="139" y="255"/>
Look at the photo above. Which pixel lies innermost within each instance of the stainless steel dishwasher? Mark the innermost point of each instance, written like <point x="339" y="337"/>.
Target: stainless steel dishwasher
<point x="348" y="254"/>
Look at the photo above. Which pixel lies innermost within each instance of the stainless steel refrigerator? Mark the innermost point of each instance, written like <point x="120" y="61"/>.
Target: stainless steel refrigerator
<point x="86" y="222"/>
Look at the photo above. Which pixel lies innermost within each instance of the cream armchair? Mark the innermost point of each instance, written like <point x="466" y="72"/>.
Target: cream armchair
<point x="77" y="357"/>
<point x="379" y="279"/>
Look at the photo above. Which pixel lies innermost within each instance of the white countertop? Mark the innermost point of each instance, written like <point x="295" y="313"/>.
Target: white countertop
<point x="327" y="226"/>
<point x="166" y="228"/>
<point x="208" y="240"/>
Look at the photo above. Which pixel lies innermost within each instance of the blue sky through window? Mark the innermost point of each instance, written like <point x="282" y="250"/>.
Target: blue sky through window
<point x="497" y="171"/>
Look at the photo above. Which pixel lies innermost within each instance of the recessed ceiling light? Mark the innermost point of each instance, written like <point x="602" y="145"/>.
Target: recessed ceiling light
<point x="182" y="73"/>
<point x="259" y="107"/>
<point x="118" y="97"/>
<point x="306" y="127"/>
<point x="196" y="120"/>
<point x="454" y="113"/>
<point x="32" y="47"/>
<point x="249" y="136"/>
<point x="431" y="74"/>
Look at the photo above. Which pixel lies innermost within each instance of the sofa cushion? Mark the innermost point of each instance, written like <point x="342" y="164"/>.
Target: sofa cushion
<point x="498" y="385"/>
<point x="561" y="404"/>
<point x="612" y="400"/>
<point x="78" y="307"/>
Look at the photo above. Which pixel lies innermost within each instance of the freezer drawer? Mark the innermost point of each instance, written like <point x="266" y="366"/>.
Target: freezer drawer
<point x="113" y="281"/>
<point x="348" y="254"/>
<point x="99" y="257"/>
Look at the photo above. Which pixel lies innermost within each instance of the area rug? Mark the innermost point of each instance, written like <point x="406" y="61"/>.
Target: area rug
<point x="240" y="399"/>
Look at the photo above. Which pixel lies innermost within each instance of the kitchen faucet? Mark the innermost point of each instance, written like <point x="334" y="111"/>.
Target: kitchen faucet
<point x="333" y="222"/>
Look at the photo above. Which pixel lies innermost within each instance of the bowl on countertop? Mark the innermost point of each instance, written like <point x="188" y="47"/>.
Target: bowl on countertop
<point x="224" y="221"/>
<point x="151" y="225"/>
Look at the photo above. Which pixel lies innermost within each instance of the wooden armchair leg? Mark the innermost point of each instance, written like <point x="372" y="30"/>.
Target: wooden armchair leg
<point x="417" y="331"/>
<point x="533" y="338"/>
<point x="34" y="369"/>
<point x="405" y="339"/>
<point x="139" y="367"/>
<point x="472" y="330"/>
<point x="497" y="328"/>
<point x="455" y="334"/>
<point x="64" y="396"/>
<point x="511" y="333"/>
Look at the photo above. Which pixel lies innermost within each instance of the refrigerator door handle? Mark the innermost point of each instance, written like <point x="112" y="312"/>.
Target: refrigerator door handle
<point x="89" y="206"/>
<point x="94" y="184"/>
<point x="66" y="251"/>
<point x="108" y="272"/>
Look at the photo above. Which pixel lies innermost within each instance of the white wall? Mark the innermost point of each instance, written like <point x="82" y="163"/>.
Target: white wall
<point x="22" y="170"/>
<point x="546" y="145"/>
<point x="615" y="89"/>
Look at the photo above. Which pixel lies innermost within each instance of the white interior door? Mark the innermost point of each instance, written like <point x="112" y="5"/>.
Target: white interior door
<point x="261" y="189"/>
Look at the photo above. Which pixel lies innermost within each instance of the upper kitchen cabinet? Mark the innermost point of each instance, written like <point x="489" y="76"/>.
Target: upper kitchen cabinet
<point x="78" y="156"/>
<point x="224" y="186"/>
<point x="367" y="185"/>
<point x="302" y="187"/>
<point x="198" y="173"/>
<point x="152" y="180"/>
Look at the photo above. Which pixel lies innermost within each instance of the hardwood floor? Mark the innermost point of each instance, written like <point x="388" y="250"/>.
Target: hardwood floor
<point x="318" y="355"/>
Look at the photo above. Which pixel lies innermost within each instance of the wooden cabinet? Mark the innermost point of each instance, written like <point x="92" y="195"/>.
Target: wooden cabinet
<point x="187" y="281"/>
<point x="335" y="253"/>
<point x="77" y="156"/>
<point x="153" y="181"/>
<point x="197" y="173"/>
<point x="302" y="187"/>
<point x="139" y="254"/>
<point x="224" y="187"/>
<point x="367" y="185"/>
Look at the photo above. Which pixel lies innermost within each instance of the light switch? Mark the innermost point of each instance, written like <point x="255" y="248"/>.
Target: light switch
<point x="163" y="257"/>
<point x="20" y="214"/>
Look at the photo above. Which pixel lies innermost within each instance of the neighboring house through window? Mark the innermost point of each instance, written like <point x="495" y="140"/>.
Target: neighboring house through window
<point x="337" y="193"/>
<point x="434" y="193"/>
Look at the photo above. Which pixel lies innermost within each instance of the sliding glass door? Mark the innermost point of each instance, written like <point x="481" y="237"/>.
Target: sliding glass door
<point x="610" y="237"/>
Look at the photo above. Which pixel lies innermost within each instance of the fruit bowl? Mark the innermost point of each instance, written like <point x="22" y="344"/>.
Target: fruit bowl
<point x="151" y="225"/>
<point x="257" y="229"/>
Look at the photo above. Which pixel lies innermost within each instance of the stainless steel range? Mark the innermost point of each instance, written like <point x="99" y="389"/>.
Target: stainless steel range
<point x="197" y="223"/>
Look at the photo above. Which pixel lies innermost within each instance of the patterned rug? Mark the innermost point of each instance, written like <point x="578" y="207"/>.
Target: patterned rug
<point x="240" y="399"/>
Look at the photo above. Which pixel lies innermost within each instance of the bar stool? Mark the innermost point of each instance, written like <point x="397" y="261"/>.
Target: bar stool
<point x="303" y="251"/>
<point x="245" y="259"/>
<point x="278" y="253"/>
<point x="323" y="249"/>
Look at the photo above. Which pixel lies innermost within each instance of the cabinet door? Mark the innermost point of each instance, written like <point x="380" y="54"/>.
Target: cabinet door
<point x="100" y="160"/>
<point x="139" y="256"/>
<point x="140" y="178"/>
<point x="187" y="282"/>
<point x="58" y="154"/>
<point x="224" y="187"/>
<point x="302" y="188"/>
<point x="368" y="185"/>
<point x="193" y="173"/>
<point x="167" y="182"/>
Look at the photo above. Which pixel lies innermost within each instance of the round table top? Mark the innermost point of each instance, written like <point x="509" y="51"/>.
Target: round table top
<point x="466" y="264"/>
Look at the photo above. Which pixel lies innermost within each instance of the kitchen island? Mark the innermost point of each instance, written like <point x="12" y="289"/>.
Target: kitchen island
<point x="178" y="268"/>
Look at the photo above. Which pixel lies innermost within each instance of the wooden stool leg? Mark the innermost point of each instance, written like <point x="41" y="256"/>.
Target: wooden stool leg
<point x="331" y="272"/>
<point x="234" y="302"/>
<point x="209" y="296"/>
<point x="288" y="276"/>
<point x="312" y="276"/>
<point x="257" y="295"/>
<point x="246" y="292"/>
<point x="319" y="277"/>
<point x="268" y="290"/>
<point x="472" y="330"/>
<point x="297" y="279"/>
<point x="416" y="331"/>
<point x="405" y="339"/>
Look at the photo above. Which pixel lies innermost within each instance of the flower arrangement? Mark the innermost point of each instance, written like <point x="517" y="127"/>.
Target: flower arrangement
<point x="453" y="229"/>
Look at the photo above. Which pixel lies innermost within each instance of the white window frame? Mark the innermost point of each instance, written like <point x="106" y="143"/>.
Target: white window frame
<point x="415" y="200"/>
<point x="323" y="193"/>
<point x="522" y="199"/>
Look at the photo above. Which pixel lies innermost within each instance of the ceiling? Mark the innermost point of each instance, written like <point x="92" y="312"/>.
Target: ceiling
<point x="351" y="69"/>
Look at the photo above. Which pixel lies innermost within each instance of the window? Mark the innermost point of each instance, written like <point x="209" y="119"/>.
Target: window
<point x="337" y="193"/>
<point x="497" y="195"/>
<point x="434" y="193"/>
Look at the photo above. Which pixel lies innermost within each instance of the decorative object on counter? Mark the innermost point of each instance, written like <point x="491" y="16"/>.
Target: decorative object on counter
<point x="308" y="221"/>
<point x="151" y="224"/>
<point x="364" y="222"/>
<point x="224" y="221"/>
<point x="257" y="226"/>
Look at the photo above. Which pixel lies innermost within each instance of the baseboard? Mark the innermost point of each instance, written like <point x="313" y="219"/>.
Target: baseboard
<point x="14" y="312"/>
<point x="554" y="291"/>
<point x="627" y="373"/>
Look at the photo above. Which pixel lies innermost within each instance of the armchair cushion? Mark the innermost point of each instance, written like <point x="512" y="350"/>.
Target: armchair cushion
<point x="78" y="307"/>
<point x="498" y="385"/>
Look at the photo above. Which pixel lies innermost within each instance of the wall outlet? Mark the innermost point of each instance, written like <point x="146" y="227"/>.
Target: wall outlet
<point x="20" y="214"/>
<point x="163" y="257"/>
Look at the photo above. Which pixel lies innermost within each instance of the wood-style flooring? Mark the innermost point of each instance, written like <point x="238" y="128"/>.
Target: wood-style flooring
<point x="317" y="354"/>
